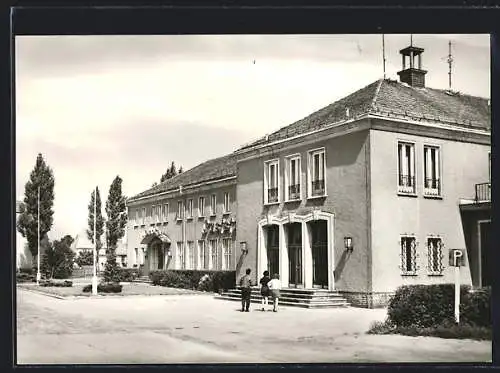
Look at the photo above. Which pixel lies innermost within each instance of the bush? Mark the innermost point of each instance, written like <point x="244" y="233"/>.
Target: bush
<point x="475" y="308"/>
<point x="25" y="277"/>
<point x="51" y="283"/>
<point x="197" y="280"/>
<point x="423" y="306"/>
<point x="104" y="288"/>
<point x="29" y="271"/>
<point x="128" y="274"/>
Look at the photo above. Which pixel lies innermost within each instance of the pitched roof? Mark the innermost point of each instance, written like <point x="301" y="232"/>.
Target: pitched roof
<point x="392" y="98"/>
<point x="211" y="170"/>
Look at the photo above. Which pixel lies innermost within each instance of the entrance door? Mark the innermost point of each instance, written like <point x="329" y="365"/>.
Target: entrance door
<point x="484" y="234"/>
<point x="295" y="254"/>
<point x="273" y="243"/>
<point x="319" y="244"/>
<point x="161" y="257"/>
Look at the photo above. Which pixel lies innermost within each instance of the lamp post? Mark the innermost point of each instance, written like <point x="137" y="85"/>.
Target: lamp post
<point x="38" y="275"/>
<point x="94" y="277"/>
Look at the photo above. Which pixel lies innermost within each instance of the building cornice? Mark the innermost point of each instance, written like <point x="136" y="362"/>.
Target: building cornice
<point x="181" y="191"/>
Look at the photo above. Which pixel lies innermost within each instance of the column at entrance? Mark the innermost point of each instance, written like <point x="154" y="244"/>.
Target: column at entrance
<point x="307" y="255"/>
<point x="283" y="257"/>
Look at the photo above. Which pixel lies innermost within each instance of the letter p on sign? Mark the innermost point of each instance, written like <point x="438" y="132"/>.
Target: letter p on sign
<point x="457" y="257"/>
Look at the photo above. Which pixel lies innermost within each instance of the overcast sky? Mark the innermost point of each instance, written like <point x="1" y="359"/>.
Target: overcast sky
<point x="101" y="106"/>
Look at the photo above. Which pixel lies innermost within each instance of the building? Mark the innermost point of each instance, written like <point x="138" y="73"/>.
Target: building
<point x="360" y="197"/>
<point x="363" y="195"/>
<point x="82" y="243"/>
<point x="186" y="222"/>
<point x="24" y="259"/>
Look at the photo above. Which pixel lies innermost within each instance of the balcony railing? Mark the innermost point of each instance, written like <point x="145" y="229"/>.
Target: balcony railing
<point x="294" y="191"/>
<point x="272" y="195"/>
<point x="318" y="187"/>
<point x="432" y="187"/>
<point x="483" y="192"/>
<point x="406" y="184"/>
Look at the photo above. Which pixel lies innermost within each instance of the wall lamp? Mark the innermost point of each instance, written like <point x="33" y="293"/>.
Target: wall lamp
<point x="348" y="244"/>
<point x="243" y="247"/>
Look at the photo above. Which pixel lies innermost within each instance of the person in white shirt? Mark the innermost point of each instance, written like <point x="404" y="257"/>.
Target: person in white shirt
<point x="275" y="286"/>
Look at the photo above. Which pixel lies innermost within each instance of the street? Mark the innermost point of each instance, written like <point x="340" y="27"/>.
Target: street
<point x="200" y="329"/>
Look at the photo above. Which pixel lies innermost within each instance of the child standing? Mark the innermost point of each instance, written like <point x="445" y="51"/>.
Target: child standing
<point x="264" y="290"/>
<point x="275" y="286"/>
<point x="246" y="291"/>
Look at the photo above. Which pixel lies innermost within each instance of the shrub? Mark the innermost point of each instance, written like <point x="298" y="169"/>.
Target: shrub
<point x="51" y="283"/>
<point x="381" y="327"/>
<point x="475" y="308"/>
<point x="128" y="274"/>
<point x="28" y="271"/>
<point x="104" y="288"/>
<point x="25" y="277"/>
<point x="423" y="306"/>
<point x="197" y="280"/>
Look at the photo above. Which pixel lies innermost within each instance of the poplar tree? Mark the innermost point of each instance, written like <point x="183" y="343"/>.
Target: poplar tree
<point x="99" y="228"/>
<point x="27" y="224"/>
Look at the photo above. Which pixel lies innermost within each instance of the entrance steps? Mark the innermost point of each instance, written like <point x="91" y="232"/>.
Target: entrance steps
<point x="143" y="279"/>
<point x="305" y="298"/>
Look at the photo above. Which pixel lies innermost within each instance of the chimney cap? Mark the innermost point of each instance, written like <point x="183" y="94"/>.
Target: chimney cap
<point x="411" y="48"/>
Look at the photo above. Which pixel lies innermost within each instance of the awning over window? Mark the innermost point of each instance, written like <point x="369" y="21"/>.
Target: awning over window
<point x="151" y="236"/>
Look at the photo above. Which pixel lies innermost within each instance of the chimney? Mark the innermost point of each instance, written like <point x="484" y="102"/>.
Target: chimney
<point x="413" y="75"/>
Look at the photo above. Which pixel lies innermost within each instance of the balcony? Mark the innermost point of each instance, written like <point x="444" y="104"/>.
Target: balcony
<point x="294" y="192"/>
<point x="483" y="192"/>
<point x="272" y="195"/>
<point x="318" y="188"/>
<point x="406" y="184"/>
<point x="432" y="187"/>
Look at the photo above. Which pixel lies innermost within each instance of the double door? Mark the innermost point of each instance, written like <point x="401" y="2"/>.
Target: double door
<point x="295" y="277"/>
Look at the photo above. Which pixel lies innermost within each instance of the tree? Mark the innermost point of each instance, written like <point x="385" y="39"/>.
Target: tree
<point x="41" y="177"/>
<point x="171" y="172"/>
<point x="180" y="170"/>
<point x="58" y="258"/>
<point x="99" y="220"/>
<point x="115" y="228"/>
<point x="85" y="258"/>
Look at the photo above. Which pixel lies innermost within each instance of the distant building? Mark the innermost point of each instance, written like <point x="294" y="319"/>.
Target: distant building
<point x="360" y="197"/>
<point x="82" y="243"/>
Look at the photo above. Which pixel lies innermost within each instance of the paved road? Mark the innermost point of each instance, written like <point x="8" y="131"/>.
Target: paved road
<point x="200" y="329"/>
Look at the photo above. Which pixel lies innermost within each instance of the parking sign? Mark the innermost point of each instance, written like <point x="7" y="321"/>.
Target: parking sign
<point x="457" y="257"/>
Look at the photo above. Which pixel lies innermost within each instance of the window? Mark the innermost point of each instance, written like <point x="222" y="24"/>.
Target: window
<point x="136" y="221"/>
<point x="190" y="208"/>
<point x="212" y="246"/>
<point x="165" y="212"/>
<point x="201" y="206"/>
<point x="153" y="213"/>
<point x="489" y="167"/>
<point x="180" y="210"/>
<point x="408" y="255"/>
<point x="213" y="205"/>
<point x="227" y="250"/>
<point x="406" y="168"/>
<point x="432" y="182"/>
<point x="292" y="179"/>
<point x="181" y="255"/>
<point x="226" y="202"/>
<point x="143" y="216"/>
<point x="136" y="256"/>
<point x="316" y="172"/>
<point x="201" y="255"/>
<point x="271" y="181"/>
<point x="190" y="255"/>
<point x="435" y="255"/>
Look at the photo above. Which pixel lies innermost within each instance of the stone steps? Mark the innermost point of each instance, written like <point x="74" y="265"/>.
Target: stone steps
<point x="306" y="298"/>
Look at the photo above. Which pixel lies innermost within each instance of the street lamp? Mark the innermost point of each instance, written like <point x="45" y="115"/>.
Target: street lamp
<point x="94" y="276"/>
<point x="38" y="275"/>
<point x="348" y="244"/>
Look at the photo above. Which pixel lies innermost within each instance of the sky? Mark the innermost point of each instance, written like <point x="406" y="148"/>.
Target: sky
<point x="101" y="106"/>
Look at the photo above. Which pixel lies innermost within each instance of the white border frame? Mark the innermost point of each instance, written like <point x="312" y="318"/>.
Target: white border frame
<point x="310" y="154"/>
<point x="266" y="182"/>
<point x="414" y="143"/>
<point x="440" y="161"/>
<point x="288" y="162"/>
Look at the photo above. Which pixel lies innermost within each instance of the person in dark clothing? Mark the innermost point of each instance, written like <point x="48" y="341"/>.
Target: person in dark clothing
<point x="264" y="289"/>
<point x="246" y="291"/>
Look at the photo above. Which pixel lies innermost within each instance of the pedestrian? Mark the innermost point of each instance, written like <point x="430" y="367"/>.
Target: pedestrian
<point x="246" y="291"/>
<point x="264" y="290"/>
<point x="275" y="285"/>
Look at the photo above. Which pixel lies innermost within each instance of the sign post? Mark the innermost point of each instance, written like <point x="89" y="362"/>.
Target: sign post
<point x="457" y="257"/>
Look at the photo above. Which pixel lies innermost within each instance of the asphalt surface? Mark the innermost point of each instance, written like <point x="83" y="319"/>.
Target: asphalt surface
<point x="200" y="329"/>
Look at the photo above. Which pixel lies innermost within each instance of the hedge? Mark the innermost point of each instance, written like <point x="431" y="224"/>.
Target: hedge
<point x="51" y="283"/>
<point x="196" y="280"/>
<point x="104" y="288"/>
<point x="25" y="277"/>
<point x="424" y="306"/>
<point x="129" y="274"/>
